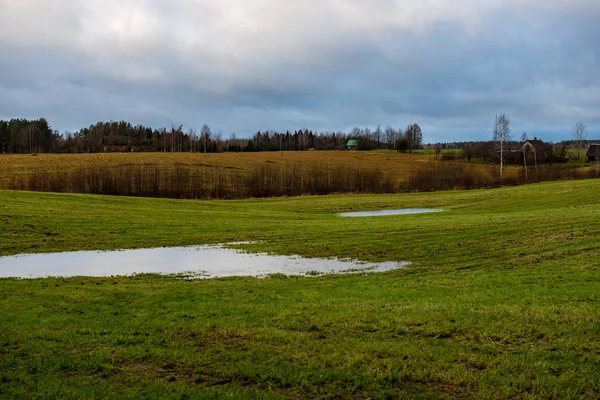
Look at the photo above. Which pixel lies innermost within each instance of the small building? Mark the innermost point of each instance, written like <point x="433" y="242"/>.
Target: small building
<point x="115" y="144"/>
<point x="352" y="144"/>
<point x="513" y="157"/>
<point x="593" y="153"/>
<point x="543" y="151"/>
<point x="537" y="152"/>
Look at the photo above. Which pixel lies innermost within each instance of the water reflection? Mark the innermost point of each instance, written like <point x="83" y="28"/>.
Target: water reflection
<point x="381" y="213"/>
<point x="197" y="261"/>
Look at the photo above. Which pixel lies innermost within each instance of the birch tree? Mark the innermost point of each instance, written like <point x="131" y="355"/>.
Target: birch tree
<point x="501" y="136"/>
<point x="205" y="134"/>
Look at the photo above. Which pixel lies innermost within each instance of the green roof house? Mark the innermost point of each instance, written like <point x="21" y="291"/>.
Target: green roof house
<point x="352" y="145"/>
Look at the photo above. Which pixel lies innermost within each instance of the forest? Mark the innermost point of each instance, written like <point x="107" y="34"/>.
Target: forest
<point x="28" y="136"/>
<point x="36" y="136"/>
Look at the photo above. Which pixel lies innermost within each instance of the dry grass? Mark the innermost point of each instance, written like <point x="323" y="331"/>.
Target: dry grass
<point x="396" y="165"/>
<point x="244" y="175"/>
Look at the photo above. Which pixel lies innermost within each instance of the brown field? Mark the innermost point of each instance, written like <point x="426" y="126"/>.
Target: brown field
<point x="397" y="165"/>
<point x="267" y="174"/>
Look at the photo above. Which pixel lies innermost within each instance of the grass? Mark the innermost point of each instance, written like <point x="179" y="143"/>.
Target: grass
<point x="501" y="300"/>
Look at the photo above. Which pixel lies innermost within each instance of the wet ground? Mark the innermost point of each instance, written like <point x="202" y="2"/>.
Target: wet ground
<point x="197" y="261"/>
<point x="382" y="213"/>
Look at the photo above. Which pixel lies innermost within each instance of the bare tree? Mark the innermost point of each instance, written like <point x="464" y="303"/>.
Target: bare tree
<point x="414" y="135"/>
<point x="205" y="134"/>
<point x="377" y="134"/>
<point x="390" y="137"/>
<point x="410" y="137"/>
<point x="580" y="134"/>
<point x="526" y="146"/>
<point x="193" y="139"/>
<point x="367" y="133"/>
<point x="418" y="136"/>
<point x="501" y="136"/>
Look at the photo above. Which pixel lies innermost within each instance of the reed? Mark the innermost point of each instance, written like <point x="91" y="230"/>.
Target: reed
<point x="460" y="175"/>
<point x="194" y="182"/>
<point x="273" y="179"/>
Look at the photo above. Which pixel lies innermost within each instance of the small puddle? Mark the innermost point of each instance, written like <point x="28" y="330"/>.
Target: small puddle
<point x="382" y="213"/>
<point x="196" y="262"/>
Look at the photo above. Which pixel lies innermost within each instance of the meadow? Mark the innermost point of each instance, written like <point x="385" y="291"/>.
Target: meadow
<point x="501" y="299"/>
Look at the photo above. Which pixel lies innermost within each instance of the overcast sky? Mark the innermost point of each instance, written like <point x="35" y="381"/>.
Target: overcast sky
<point x="245" y="65"/>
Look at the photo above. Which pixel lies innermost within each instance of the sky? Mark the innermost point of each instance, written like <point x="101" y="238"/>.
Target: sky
<point x="326" y="65"/>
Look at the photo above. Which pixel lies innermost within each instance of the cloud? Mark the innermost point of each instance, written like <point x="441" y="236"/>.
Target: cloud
<point x="244" y="65"/>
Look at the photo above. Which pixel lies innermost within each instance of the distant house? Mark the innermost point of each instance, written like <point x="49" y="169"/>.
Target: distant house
<point x="352" y="144"/>
<point x="115" y="144"/>
<point x="537" y="152"/>
<point x="543" y="151"/>
<point x="593" y="153"/>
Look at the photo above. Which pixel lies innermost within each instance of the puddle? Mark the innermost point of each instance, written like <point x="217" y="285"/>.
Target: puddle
<point x="197" y="262"/>
<point x="382" y="213"/>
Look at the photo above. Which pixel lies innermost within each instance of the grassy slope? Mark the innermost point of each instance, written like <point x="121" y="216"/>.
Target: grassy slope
<point x="501" y="302"/>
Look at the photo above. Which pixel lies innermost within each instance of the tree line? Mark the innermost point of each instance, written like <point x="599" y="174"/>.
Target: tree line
<point x="27" y="136"/>
<point x="36" y="136"/>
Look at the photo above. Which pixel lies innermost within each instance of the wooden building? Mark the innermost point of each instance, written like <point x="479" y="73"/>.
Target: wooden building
<point x="115" y="144"/>
<point x="593" y="153"/>
<point x="536" y="151"/>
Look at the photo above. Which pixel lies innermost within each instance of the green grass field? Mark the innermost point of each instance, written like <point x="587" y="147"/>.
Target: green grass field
<point x="501" y="301"/>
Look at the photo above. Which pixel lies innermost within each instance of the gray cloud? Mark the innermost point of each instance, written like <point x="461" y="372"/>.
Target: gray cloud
<point x="244" y="65"/>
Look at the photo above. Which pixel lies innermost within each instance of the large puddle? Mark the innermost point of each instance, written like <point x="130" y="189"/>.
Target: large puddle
<point x="197" y="262"/>
<point x="382" y="213"/>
